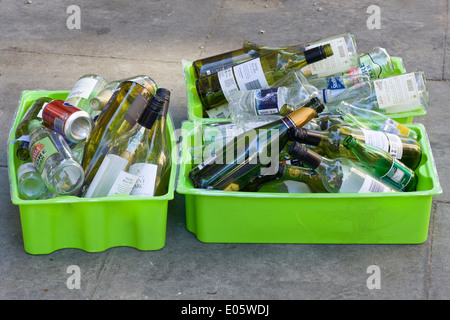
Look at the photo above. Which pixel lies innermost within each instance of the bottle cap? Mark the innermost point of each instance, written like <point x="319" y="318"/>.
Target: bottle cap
<point x="318" y="53"/>
<point x="301" y="135"/>
<point x="308" y="157"/>
<point x="154" y="107"/>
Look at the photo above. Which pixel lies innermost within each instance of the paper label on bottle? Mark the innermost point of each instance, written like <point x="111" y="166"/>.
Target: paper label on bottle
<point x="372" y="185"/>
<point x="25" y="168"/>
<point x="396" y="91"/>
<point x="82" y="88"/>
<point x="145" y="184"/>
<point x="39" y="115"/>
<point x="41" y="150"/>
<point x="337" y="63"/>
<point x="394" y="127"/>
<point x="399" y="174"/>
<point x="245" y="76"/>
<point x="395" y="146"/>
<point x="388" y="142"/>
<point x="268" y="101"/>
<point x="123" y="184"/>
<point x="367" y="67"/>
<point x="219" y="112"/>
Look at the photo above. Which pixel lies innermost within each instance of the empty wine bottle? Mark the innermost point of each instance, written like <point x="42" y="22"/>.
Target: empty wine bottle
<point x="54" y="160"/>
<point x="21" y="133"/>
<point x="395" y="94"/>
<point x="339" y="175"/>
<point x="119" y="116"/>
<point x="100" y="101"/>
<point x="216" y="89"/>
<point x="232" y="166"/>
<point x="213" y="64"/>
<point x="29" y="182"/>
<point x="345" y="57"/>
<point x="329" y="142"/>
<point x="126" y="159"/>
<point x="283" y="97"/>
<point x="382" y="165"/>
<point x="371" y="119"/>
<point x="288" y="172"/>
<point x="159" y="152"/>
<point x="83" y="90"/>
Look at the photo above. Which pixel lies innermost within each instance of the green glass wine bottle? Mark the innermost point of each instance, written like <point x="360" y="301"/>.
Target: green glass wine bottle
<point x="382" y="165"/>
<point x="329" y="143"/>
<point x="218" y="88"/>
<point x="231" y="167"/>
<point x="126" y="160"/>
<point x="159" y="151"/>
<point x="340" y="175"/>
<point x="213" y="64"/>
<point x="288" y="172"/>
<point x="119" y="116"/>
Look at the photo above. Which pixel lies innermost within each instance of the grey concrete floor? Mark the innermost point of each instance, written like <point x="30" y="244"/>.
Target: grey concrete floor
<point x="118" y="39"/>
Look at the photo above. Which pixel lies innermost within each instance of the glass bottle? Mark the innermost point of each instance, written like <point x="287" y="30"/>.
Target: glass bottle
<point x="29" y="182"/>
<point x="100" y="101"/>
<point x="245" y="156"/>
<point x="382" y="165"/>
<point x="339" y="175"/>
<point x="391" y="95"/>
<point x="34" y="112"/>
<point x="345" y="57"/>
<point x="218" y="88"/>
<point x="329" y="142"/>
<point x="159" y="152"/>
<point x="213" y="64"/>
<point x="83" y="90"/>
<point x="54" y="160"/>
<point x="371" y="119"/>
<point x="119" y="116"/>
<point x="288" y="172"/>
<point x="116" y="174"/>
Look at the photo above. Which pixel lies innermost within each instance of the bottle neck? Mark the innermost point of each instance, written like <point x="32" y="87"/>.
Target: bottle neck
<point x="304" y="114"/>
<point x="309" y="137"/>
<point x="307" y="156"/>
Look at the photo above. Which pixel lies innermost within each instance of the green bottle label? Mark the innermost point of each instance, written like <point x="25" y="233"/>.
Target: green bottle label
<point x="41" y="150"/>
<point x="368" y="67"/>
<point x="399" y="174"/>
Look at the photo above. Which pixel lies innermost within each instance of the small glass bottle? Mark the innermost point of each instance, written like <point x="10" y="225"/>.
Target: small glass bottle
<point x="34" y="112"/>
<point x="30" y="183"/>
<point x="54" y="160"/>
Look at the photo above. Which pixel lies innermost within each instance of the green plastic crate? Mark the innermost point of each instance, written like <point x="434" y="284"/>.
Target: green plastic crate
<point x="195" y="108"/>
<point x="92" y="225"/>
<point x="255" y="217"/>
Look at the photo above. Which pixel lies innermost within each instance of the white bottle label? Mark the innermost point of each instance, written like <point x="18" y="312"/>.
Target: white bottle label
<point x="396" y="91"/>
<point x="337" y="63"/>
<point x="145" y="184"/>
<point x="219" y="112"/>
<point x="371" y="185"/>
<point x="249" y="75"/>
<point x="123" y="184"/>
<point x="82" y="88"/>
<point x="388" y="142"/>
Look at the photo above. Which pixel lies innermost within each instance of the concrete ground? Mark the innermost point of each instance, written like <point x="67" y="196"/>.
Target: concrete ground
<point x="118" y="39"/>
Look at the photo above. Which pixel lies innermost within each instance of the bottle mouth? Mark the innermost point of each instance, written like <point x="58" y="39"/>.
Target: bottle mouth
<point x="349" y="141"/>
<point x="328" y="50"/>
